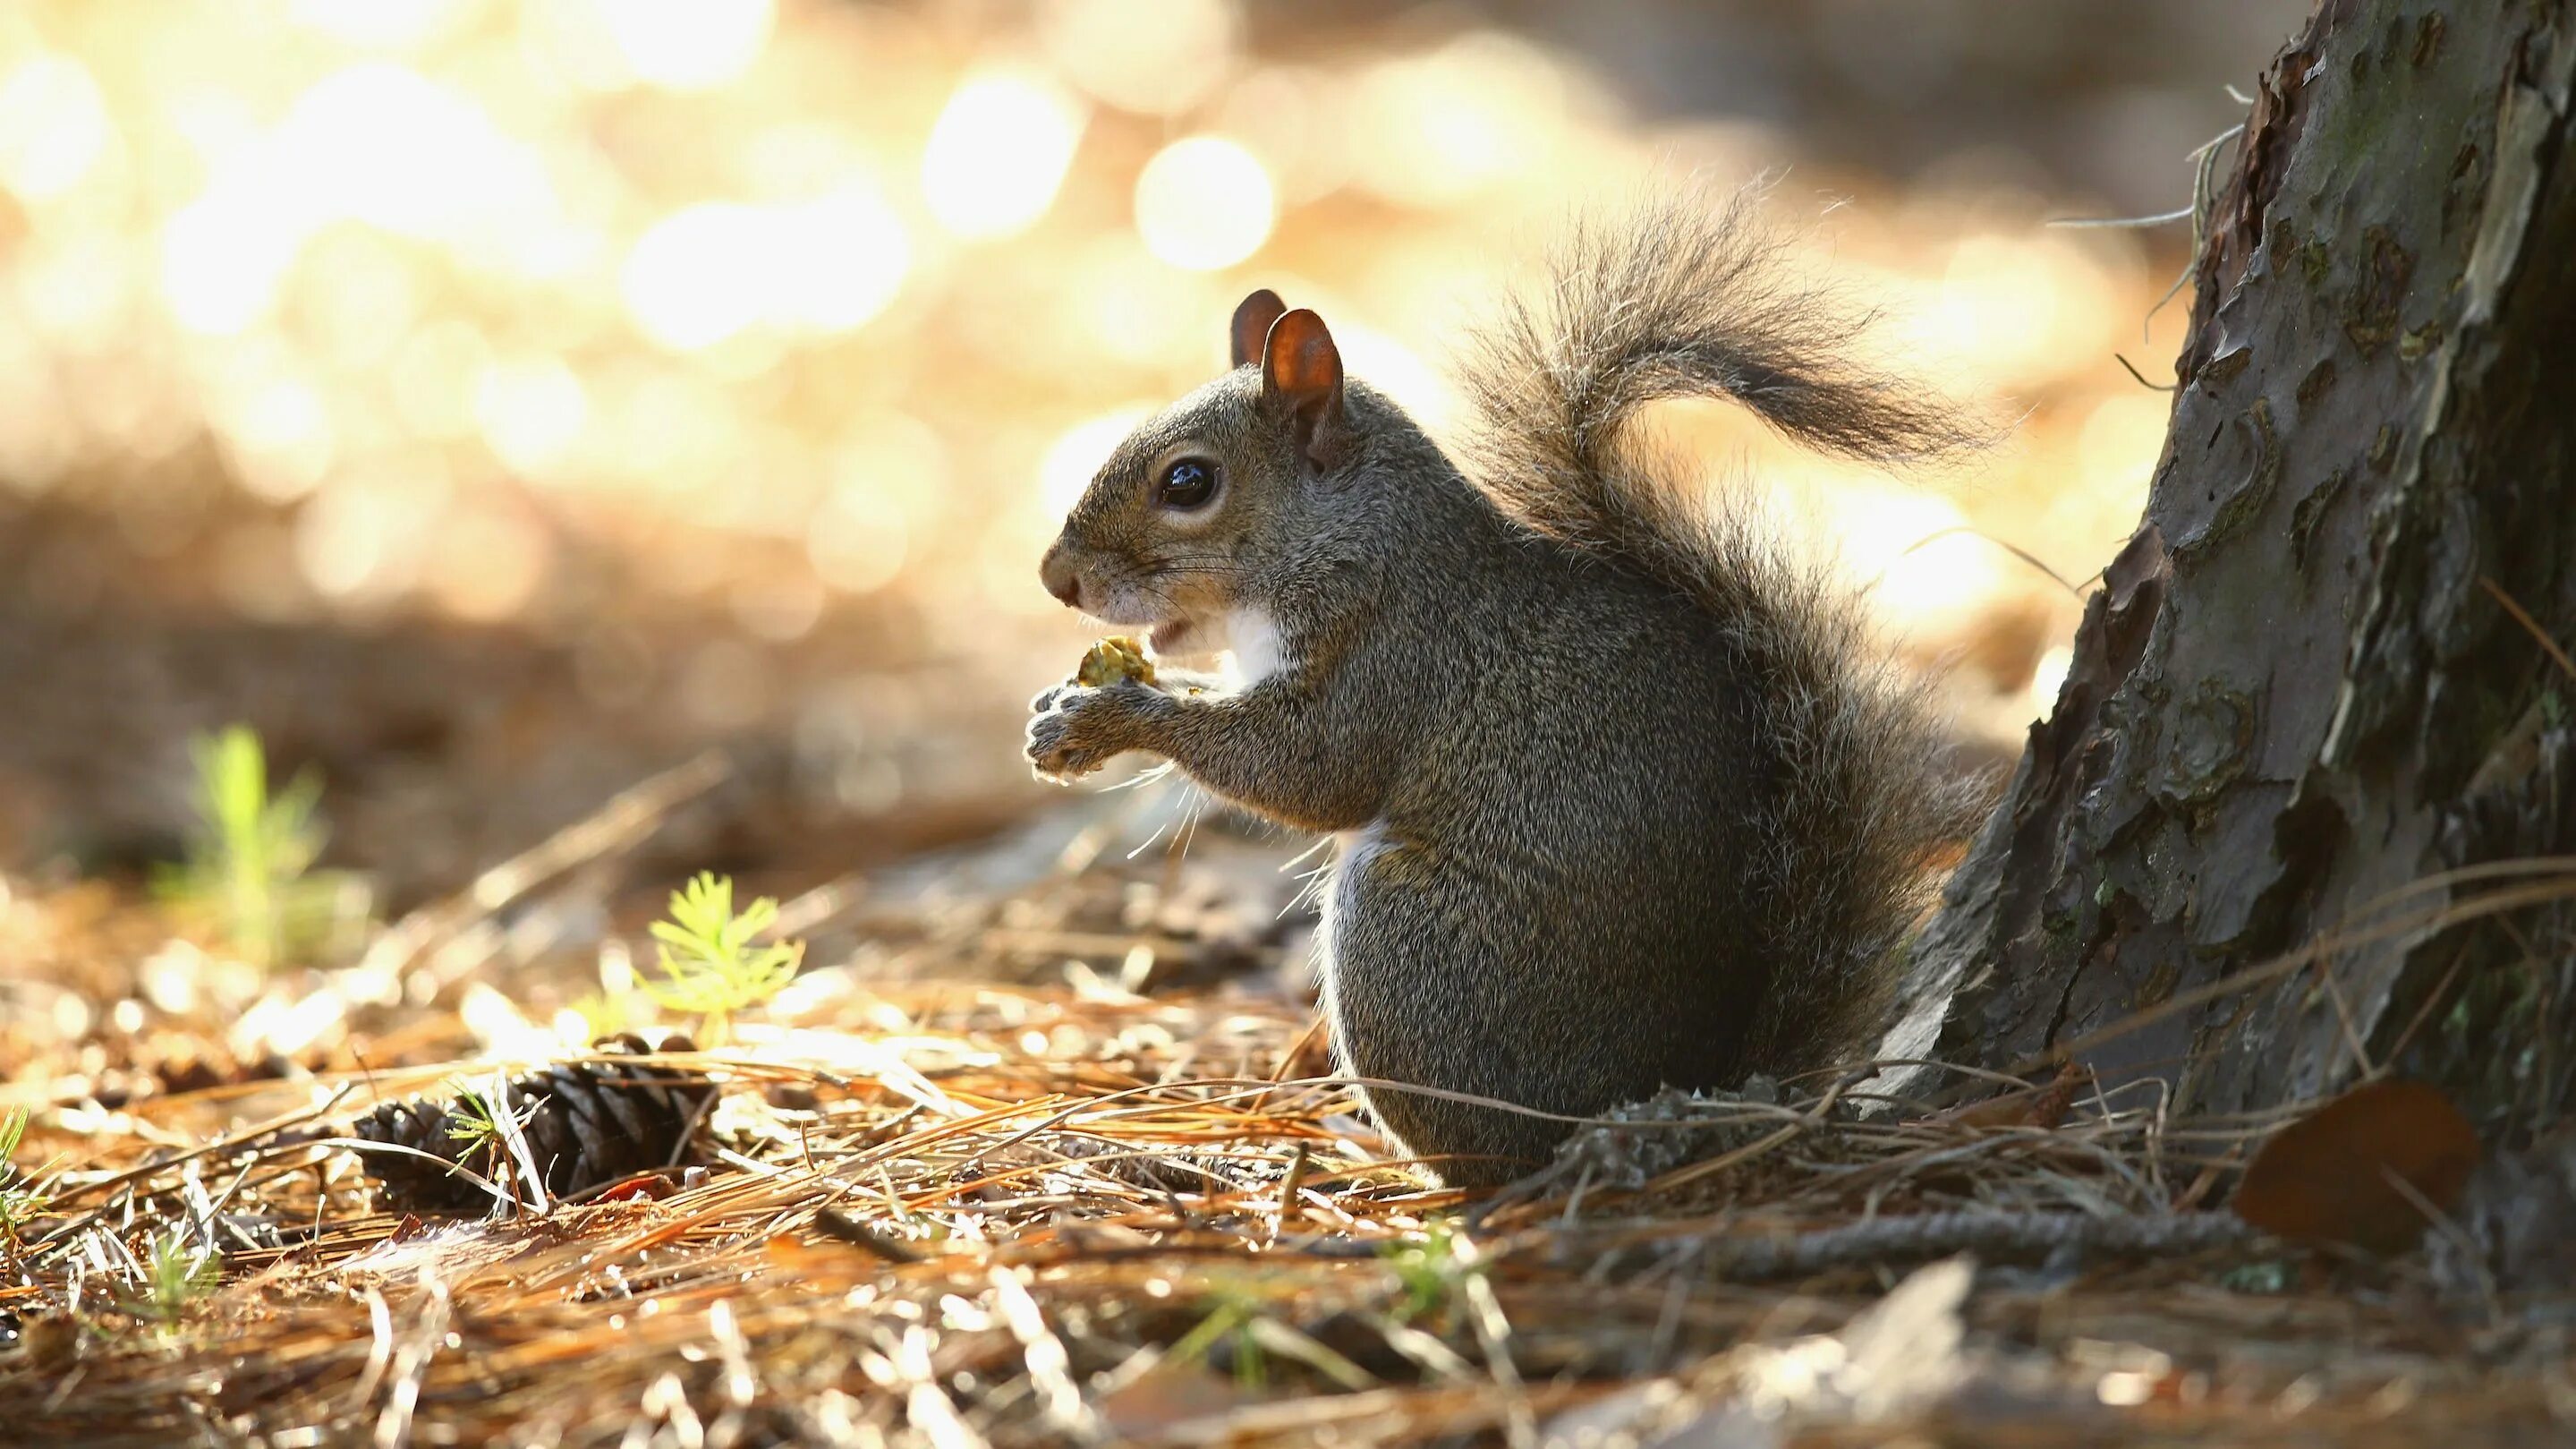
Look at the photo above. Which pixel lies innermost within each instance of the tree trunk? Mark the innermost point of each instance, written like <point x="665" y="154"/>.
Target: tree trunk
<point x="2321" y="673"/>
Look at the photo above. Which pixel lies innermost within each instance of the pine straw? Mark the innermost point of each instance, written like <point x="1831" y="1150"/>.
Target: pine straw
<point x="951" y="1213"/>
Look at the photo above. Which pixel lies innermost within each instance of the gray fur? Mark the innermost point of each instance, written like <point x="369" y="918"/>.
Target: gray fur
<point x="1626" y="802"/>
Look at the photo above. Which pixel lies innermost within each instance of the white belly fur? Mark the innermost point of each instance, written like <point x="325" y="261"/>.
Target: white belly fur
<point x="1254" y="650"/>
<point x="1351" y="851"/>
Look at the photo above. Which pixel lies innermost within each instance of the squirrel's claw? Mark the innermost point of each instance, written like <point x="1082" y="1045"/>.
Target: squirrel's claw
<point x="1077" y="728"/>
<point x="1059" y="747"/>
<point x="1049" y="756"/>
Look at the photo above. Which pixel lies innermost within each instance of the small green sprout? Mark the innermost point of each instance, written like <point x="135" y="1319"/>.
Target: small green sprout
<point x="1231" y="1317"/>
<point x="710" y="967"/>
<point x="618" y="1006"/>
<point x="474" y="1121"/>
<point x="19" y="1200"/>
<point x="602" y="1015"/>
<point x="1429" y="1271"/>
<point x="481" y="1120"/>
<point x="248" y="857"/>
<point x="176" y="1276"/>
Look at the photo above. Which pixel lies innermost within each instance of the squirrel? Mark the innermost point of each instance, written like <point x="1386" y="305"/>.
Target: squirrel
<point x="1625" y="798"/>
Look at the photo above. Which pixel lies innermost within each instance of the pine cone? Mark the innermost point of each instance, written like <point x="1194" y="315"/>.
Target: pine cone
<point x="591" y="1123"/>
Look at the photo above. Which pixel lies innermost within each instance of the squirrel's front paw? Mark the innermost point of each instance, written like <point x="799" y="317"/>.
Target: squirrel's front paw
<point x="1078" y="729"/>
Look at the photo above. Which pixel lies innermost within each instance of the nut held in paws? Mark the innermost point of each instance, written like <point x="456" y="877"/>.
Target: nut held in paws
<point x="1112" y="661"/>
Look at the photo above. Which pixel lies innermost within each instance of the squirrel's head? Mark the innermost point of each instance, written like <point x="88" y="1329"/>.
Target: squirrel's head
<point x="1178" y="528"/>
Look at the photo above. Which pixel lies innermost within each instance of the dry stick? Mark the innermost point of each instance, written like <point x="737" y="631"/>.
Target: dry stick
<point x="1806" y="1121"/>
<point x="2131" y="369"/>
<point x="2531" y="865"/>
<point x="2563" y="866"/>
<point x="2017" y="551"/>
<point x="907" y="1146"/>
<point x="2446" y="915"/>
<point x="629" y="817"/>
<point x="153" y="1169"/>
<point x="1987" y="1234"/>
<point x="2530" y="625"/>
<point x="824" y="902"/>
<point x="900" y="1147"/>
<point x="2344" y="1018"/>
<point x="1254" y="1087"/>
<point x="1288" y="1059"/>
<point x="2424" y="1013"/>
<point x="1494" y="1335"/>
<point x="937" y="1197"/>
<point x="1291" y="1183"/>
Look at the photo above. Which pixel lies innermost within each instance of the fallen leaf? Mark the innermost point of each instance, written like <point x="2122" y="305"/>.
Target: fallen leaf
<point x="2333" y="1175"/>
<point x="640" y="1189"/>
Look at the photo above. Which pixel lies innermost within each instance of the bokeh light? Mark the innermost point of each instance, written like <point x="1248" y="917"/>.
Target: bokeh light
<point x="708" y="272"/>
<point x="531" y="411"/>
<point x="280" y="439"/>
<point x="1156" y="57"/>
<point x="780" y="314"/>
<point x="1438" y="128"/>
<point x="54" y="126"/>
<point x="1077" y="453"/>
<point x="857" y="538"/>
<point x="1204" y="203"/>
<point x="998" y="153"/>
<point x="681" y="45"/>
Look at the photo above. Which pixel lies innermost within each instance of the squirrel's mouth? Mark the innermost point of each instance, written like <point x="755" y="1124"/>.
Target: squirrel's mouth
<point x="1189" y="637"/>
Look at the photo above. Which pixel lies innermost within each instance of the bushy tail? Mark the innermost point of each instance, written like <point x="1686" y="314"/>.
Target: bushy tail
<point x="1688" y="298"/>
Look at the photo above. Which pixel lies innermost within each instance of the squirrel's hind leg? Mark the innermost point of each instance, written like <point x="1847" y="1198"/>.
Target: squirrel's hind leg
<point x="1416" y="996"/>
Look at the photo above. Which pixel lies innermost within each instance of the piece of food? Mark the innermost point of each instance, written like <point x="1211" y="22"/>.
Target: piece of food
<point x="1114" y="660"/>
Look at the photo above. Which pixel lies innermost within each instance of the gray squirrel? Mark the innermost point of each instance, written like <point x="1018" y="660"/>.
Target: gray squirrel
<point x="1625" y="799"/>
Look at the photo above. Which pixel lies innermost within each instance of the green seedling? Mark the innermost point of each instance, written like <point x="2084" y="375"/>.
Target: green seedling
<point x="1428" y="1272"/>
<point x="19" y="1200"/>
<point x="251" y="854"/>
<point x="602" y="1015"/>
<point x="1230" y="1321"/>
<point x="474" y="1120"/>
<point x="493" y="1137"/>
<point x="618" y="1005"/>
<point x="175" y="1276"/>
<point x="710" y="968"/>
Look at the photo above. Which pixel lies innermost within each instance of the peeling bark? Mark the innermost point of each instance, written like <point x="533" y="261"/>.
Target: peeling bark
<point x="2304" y="686"/>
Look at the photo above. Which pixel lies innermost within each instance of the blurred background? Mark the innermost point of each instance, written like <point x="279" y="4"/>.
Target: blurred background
<point x="494" y="401"/>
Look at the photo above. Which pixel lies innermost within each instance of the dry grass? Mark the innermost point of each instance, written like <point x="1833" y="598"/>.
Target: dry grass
<point x="957" y="1192"/>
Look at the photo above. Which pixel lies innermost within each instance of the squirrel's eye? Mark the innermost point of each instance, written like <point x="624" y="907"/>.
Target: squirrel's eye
<point x="1188" y="483"/>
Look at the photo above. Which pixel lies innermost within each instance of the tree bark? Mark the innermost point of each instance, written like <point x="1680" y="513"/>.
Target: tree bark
<point x="2321" y="673"/>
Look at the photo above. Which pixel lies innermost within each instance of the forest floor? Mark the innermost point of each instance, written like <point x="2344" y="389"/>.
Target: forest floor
<point x="1039" y="1146"/>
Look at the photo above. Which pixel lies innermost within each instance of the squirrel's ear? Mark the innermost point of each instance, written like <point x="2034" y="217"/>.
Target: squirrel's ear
<point x="1252" y="319"/>
<point x="1301" y="373"/>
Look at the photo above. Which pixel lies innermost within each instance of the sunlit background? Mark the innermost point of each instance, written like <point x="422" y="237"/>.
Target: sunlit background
<point x="493" y="398"/>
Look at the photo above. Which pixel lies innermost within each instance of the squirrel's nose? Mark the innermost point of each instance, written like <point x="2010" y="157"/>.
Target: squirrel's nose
<point x="1057" y="573"/>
